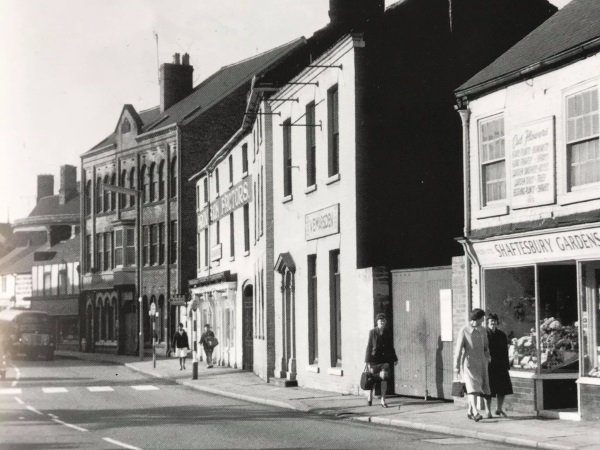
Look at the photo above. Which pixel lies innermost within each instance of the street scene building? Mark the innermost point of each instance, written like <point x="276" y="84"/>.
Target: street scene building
<point x="532" y="228"/>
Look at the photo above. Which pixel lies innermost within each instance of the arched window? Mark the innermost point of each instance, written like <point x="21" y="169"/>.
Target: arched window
<point x="173" y="177"/>
<point x="98" y="195"/>
<point x="125" y="126"/>
<point x="147" y="325"/>
<point x="160" y="326"/>
<point x="107" y="317"/>
<point x="101" y="329"/>
<point x="152" y="181"/>
<point x="144" y="184"/>
<point x="113" y="194"/>
<point x="106" y="194"/>
<point x="123" y="183"/>
<point x="161" y="180"/>
<point x="88" y="198"/>
<point x="132" y="186"/>
<point x="110" y="319"/>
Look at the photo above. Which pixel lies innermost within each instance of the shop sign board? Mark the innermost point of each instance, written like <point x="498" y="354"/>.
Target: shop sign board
<point x="203" y="219"/>
<point x="322" y="223"/>
<point x="531" y="148"/>
<point x="558" y="246"/>
<point x="216" y="252"/>
<point x="234" y="198"/>
<point x="23" y="285"/>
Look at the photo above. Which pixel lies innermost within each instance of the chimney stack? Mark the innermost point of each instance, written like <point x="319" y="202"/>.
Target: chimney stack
<point x="352" y="13"/>
<point x="176" y="81"/>
<point x="45" y="186"/>
<point x="68" y="184"/>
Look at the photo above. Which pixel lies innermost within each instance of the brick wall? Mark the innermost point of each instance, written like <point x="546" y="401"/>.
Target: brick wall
<point x="459" y="295"/>
<point x="590" y="402"/>
<point x="524" y="396"/>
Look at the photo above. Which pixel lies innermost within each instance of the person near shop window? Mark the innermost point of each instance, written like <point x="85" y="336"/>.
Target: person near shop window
<point x="380" y="355"/>
<point x="471" y="357"/>
<point x="209" y="342"/>
<point x="181" y="345"/>
<point x="500" y="384"/>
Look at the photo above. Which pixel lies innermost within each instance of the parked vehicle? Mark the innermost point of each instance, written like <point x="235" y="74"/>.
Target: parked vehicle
<point x="26" y="332"/>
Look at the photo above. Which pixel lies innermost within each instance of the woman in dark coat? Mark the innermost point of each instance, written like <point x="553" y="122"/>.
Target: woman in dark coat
<point x="380" y="356"/>
<point x="181" y="345"/>
<point x="500" y="384"/>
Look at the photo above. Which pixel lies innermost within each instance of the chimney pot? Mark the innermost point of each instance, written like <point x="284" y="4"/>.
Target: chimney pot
<point x="176" y="58"/>
<point x="185" y="60"/>
<point x="68" y="184"/>
<point x="45" y="186"/>
<point x="176" y="81"/>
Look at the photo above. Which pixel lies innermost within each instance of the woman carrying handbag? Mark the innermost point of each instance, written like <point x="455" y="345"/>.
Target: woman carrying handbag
<point x="380" y="356"/>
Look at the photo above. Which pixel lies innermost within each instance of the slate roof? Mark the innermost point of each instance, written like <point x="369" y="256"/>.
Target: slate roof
<point x="208" y="92"/>
<point x="18" y="259"/>
<point x="574" y="25"/>
<point x="65" y="251"/>
<point x="50" y="206"/>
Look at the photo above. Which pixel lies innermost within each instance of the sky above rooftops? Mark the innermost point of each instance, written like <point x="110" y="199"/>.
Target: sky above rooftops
<point x="69" y="66"/>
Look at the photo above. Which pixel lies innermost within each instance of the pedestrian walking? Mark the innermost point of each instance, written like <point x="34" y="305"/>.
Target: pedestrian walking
<point x="380" y="356"/>
<point x="500" y="384"/>
<point x="209" y="342"/>
<point x="472" y="357"/>
<point x="181" y="345"/>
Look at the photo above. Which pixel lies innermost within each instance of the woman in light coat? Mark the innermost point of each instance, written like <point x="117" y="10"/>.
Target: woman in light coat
<point x="472" y="357"/>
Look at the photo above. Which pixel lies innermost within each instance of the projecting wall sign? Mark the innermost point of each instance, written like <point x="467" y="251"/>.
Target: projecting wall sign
<point x="322" y="223"/>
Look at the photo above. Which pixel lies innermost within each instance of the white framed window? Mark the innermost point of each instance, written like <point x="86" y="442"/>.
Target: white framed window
<point x="582" y="139"/>
<point x="492" y="160"/>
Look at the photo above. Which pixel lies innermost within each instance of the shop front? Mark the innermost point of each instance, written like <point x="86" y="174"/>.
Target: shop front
<point x="545" y="288"/>
<point x="216" y="306"/>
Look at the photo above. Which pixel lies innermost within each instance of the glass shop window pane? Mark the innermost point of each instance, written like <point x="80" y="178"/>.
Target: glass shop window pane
<point x="590" y="321"/>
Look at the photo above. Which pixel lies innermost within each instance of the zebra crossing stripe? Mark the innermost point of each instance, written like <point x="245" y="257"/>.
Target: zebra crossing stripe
<point x="100" y="389"/>
<point x="10" y="391"/>
<point x="54" y="390"/>
<point x="145" y="387"/>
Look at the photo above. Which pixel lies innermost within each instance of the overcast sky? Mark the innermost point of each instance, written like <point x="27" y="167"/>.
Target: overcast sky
<point x="68" y="66"/>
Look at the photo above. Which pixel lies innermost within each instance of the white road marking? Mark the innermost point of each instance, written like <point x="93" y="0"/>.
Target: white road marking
<point x="19" y="401"/>
<point x="100" y="389"/>
<point x="54" y="390"/>
<point x="10" y="391"/>
<point x="31" y="408"/>
<point x="121" y="444"/>
<point x="145" y="387"/>
<point x="16" y="380"/>
<point x="70" y="425"/>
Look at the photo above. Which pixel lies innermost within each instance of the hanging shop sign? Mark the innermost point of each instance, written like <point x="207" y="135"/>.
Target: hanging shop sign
<point x="531" y="149"/>
<point x="322" y="223"/>
<point x="23" y="285"/>
<point x="203" y="219"/>
<point x="575" y="244"/>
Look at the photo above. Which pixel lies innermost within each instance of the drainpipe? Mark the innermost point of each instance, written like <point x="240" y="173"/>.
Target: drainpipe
<point x="465" y="114"/>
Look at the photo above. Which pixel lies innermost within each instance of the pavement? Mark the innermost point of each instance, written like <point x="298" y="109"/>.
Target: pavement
<point x="404" y="412"/>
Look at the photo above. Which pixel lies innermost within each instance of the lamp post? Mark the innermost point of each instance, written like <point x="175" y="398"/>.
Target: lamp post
<point x="138" y="195"/>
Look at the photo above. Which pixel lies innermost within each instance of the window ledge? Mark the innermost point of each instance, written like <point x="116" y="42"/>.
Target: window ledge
<point x="310" y="189"/>
<point x="313" y="369"/>
<point x="287" y="198"/>
<point x="244" y="174"/>
<point x="589" y="380"/>
<point x="491" y="211"/>
<point x="581" y="195"/>
<point x="247" y="253"/>
<point x="230" y="184"/>
<point x="232" y="258"/>
<point x="336" y="371"/>
<point x="332" y="179"/>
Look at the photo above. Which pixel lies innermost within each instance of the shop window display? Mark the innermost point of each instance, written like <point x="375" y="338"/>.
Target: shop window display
<point x="510" y="293"/>
<point x="590" y="322"/>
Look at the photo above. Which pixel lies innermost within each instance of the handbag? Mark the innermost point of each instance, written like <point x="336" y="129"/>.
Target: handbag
<point x="366" y="380"/>
<point x="458" y="389"/>
<point x="212" y="341"/>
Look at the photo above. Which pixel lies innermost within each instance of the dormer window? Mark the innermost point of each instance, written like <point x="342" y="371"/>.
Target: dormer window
<point x="125" y="126"/>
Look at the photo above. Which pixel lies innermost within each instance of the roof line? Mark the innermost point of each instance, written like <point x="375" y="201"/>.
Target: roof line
<point x="250" y="58"/>
<point x="538" y="67"/>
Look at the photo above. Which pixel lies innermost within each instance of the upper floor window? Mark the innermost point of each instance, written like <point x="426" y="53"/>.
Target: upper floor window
<point x="98" y="208"/>
<point x="152" y="182"/>
<point x="311" y="145"/>
<point x="173" y="177"/>
<point x="144" y="184"/>
<point x="88" y="198"/>
<point x="106" y="194"/>
<point x="333" y="131"/>
<point x="63" y="282"/>
<point x="132" y="186"/>
<point x="205" y="189"/>
<point x="583" y="149"/>
<point x="125" y="126"/>
<point x="230" y="169"/>
<point x="245" y="158"/>
<point x="173" y="239"/>
<point x="123" y="183"/>
<point x="113" y="194"/>
<point x="217" y="181"/>
<point x="493" y="160"/>
<point x="287" y="158"/>
<point x="161" y="180"/>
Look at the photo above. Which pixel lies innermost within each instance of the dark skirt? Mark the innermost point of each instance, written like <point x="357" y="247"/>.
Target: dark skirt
<point x="500" y="383"/>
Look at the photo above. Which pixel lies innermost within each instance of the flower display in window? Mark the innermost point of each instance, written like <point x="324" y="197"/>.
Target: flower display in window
<point x="559" y="344"/>
<point x="522" y="353"/>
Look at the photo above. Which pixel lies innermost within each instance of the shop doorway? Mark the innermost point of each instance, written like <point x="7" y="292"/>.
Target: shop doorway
<point x="247" y="328"/>
<point x="128" y="336"/>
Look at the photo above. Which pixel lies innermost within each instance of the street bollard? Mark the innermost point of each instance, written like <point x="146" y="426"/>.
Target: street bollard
<point x="195" y="370"/>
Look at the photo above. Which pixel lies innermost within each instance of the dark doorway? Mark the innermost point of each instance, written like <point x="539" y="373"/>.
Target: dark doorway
<point x="128" y="336"/>
<point x="248" y="329"/>
<point x="89" y="328"/>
